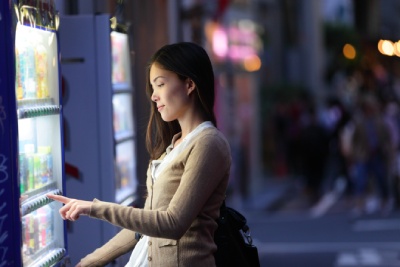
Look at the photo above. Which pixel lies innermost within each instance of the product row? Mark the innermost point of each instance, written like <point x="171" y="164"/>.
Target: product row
<point x="37" y="231"/>
<point x="31" y="72"/>
<point x="35" y="169"/>
<point x="36" y="70"/>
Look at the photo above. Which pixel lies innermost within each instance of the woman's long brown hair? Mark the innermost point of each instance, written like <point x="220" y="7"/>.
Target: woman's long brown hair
<point x="187" y="60"/>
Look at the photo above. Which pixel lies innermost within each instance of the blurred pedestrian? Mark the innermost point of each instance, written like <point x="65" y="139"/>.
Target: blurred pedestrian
<point x="370" y="152"/>
<point x="337" y="119"/>
<point x="392" y="119"/>
<point x="314" y="142"/>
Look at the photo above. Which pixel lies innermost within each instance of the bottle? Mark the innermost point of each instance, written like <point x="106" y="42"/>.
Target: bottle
<point x="29" y="150"/>
<point x="46" y="164"/>
<point x="32" y="225"/>
<point x="23" y="171"/>
<point x="37" y="170"/>
<point x="41" y="71"/>
<point x="27" y="70"/>
<point x="27" y="220"/>
<point x="50" y="224"/>
<point x="18" y="79"/>
<point x="25" y="235"/>
<point x="45" y="226"/>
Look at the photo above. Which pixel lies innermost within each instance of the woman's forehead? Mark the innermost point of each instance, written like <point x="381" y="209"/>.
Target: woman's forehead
<point x="157" y="71"/>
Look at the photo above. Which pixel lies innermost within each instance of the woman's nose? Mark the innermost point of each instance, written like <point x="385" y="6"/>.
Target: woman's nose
<point x="154" y="97"/>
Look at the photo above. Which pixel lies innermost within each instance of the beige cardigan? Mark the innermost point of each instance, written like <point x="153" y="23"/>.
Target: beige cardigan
<point x="180" y="210"/>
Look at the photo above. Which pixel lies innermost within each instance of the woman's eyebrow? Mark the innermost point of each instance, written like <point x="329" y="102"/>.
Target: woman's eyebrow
<point x="157" y="78"/>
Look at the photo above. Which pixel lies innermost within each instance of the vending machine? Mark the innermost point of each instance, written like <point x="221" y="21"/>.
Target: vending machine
<point x="124" y="132"/>
<point x="31" y="141"/>
<point x="99" y="137"/>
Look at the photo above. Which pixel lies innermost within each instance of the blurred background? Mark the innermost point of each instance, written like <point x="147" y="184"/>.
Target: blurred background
<point x="308" y="97"/>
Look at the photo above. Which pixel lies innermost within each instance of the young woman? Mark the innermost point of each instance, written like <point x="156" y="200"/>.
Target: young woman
<point x="187" y="175"/>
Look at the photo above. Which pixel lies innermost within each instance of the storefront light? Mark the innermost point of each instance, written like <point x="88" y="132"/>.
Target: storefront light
<point x="380" y="46"/>
<point x="220" y="43"/>
<point x="396" y="47"/>
<point x="349" y="51"/>
<point x="252" y="63"/>
<point x="387" y="48"/>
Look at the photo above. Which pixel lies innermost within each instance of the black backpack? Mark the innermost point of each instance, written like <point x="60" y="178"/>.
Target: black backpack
<point x="234" y="241"/>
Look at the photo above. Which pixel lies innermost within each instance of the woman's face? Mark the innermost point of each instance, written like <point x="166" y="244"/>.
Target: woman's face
<point x="170" y="93"/>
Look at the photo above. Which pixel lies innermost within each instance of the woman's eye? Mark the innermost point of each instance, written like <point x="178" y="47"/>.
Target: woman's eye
<point x="160" y="85"/>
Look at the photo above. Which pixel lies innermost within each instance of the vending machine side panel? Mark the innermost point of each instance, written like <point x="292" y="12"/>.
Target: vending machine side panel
<point x="88" y="120"/>
<point x="10" y="236"/>
<point x="105" y="114"/>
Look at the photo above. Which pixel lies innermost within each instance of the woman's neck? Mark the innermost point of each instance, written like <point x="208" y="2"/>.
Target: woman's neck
<point x="189" y="125"/>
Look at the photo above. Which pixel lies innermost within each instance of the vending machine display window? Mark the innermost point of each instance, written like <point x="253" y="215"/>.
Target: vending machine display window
<point x="125" y="179"/>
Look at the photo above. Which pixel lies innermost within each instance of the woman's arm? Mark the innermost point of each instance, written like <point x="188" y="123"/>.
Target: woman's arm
<point x="206" y="166"/>
<point x="120" y="244"/>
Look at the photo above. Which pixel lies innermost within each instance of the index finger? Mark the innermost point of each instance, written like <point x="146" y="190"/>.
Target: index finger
<point x="59" y="198"/>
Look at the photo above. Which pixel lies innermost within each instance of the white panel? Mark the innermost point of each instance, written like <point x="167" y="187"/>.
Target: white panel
<point x="84" y="116"/>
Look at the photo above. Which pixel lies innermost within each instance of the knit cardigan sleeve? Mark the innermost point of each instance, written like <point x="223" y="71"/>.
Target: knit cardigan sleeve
<point x="206" y="164"/>
<point x="120" y="244"/>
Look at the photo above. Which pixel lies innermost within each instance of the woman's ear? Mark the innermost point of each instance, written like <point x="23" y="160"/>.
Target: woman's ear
<point x="191" y="86"/>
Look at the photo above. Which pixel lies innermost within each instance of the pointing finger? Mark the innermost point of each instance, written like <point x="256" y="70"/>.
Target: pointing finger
<point x="59" y="198"/>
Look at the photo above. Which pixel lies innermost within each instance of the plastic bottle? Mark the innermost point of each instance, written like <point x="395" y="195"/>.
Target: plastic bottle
<point x="29" y="150"/>
<point x="45" y="222"/>
<point x="46" y="163"/>
<point x="23" y="171"/>
<point x="18" y="79"/>
<point x="41" y="71"/>
<point x="27" y="70"/>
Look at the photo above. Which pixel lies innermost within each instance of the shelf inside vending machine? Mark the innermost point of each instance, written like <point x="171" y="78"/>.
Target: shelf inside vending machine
<point x="36" y="57"/>
<point x="36" y="111"/>
<point x="121" y="76"/>
<point x="37" y="199"/>
<point x="42" y="243"/>
<point x="123" y="116"/>
<point x="125" y="178"/>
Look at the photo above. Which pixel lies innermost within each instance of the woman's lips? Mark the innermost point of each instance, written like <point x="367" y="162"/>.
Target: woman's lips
<point x="160" y="108"/>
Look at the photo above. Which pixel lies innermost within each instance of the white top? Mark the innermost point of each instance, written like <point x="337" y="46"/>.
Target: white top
<point x="139" y="254"/>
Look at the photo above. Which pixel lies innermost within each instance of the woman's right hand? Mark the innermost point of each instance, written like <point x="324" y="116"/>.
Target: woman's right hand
<point x="72" y="208"/>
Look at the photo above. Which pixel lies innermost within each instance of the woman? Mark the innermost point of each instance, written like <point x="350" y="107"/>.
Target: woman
<point x="187" y="175"/>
